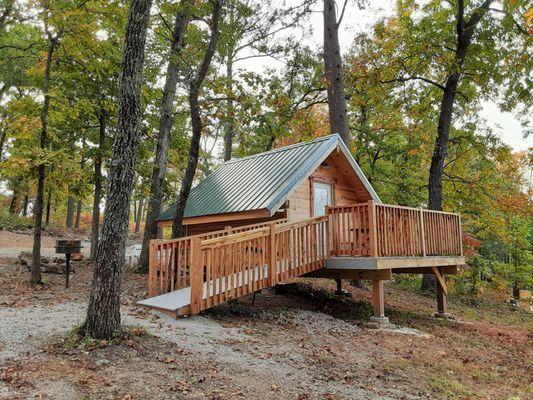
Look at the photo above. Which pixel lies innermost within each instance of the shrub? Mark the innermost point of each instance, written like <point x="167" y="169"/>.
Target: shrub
<point x="12" y="222"/>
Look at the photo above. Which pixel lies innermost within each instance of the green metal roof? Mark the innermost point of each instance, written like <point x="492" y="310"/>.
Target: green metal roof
<point x="261" y="181"/>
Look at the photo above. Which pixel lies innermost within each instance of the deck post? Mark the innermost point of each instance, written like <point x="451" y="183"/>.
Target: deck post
<point x="460" y="236"/>
<point x="152" y="269"/>
<point x="372" y="232"/>
<point x="196" y="276"/>
<point x="329" y="233"/>
<point x="272" y="267"/>
<point x="378" y="301"/>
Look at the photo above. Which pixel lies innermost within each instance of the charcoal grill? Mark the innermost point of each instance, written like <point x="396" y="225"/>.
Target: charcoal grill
<point x="68" y="247"/>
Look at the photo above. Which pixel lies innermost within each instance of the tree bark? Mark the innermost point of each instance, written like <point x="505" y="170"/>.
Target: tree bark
<point x="103" y="313"/>
<point x="196" y="122"/>
<point x="48" y="207"/>
<point x="25" y="206"/>
<point x="139" y="216"/>
<point x="97" y="198"/>
<point x="338" y="120"/>
<point x="78" y="214"/>
<point x="71" y="203"/>
<point x="14" y="206"/>
<point x="3" y="135"/>
<point x="465" y="32"/>
<point x="165" y="126"/>
<point x="229" y="133"/>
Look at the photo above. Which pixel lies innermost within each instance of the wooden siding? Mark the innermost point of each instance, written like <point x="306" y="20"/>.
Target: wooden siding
<point x="347" y="187"/>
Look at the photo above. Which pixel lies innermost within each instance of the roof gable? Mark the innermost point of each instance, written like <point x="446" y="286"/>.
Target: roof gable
<point x="262" y="181"/>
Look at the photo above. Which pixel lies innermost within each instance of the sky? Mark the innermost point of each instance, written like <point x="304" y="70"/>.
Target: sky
<point x="504" y="124"/>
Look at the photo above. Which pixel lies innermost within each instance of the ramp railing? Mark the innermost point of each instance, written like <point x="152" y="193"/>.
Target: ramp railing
<point x="170" y="259"/>
<point x="235" y="265"/>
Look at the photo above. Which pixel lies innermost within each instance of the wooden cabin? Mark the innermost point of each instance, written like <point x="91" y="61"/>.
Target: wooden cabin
<point x="292" y="183"/>
<point x="301" y="210"/>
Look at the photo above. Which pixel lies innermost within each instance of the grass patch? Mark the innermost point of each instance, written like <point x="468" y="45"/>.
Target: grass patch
<point x="78" y="339"/>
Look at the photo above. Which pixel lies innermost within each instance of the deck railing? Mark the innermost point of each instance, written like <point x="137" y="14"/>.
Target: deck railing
<point x="170" y="259"/>
<point x="382" y="230"/>
<point x="225" y="264"/>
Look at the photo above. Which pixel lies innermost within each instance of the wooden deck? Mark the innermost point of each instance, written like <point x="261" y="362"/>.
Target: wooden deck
<point x="365" y="241"/>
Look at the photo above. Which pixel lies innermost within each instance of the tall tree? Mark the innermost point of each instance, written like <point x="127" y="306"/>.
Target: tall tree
<point x="465" y="29"/>
<point x="196" y="121"/>
<point x="334" y="76"/>
<point x="166" y="121"/>
<point x="53" y="42"/>
<point x="98" y="177"/>
<point x="103" y="313"/>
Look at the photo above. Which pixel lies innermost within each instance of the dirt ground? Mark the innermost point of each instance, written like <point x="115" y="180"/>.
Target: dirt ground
<point x="304" y="343"/>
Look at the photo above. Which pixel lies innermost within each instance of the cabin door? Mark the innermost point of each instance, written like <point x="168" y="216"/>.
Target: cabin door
<point x="322" y="197"/>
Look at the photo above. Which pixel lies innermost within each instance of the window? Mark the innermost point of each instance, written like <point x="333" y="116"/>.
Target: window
<point x="322" y="197"/>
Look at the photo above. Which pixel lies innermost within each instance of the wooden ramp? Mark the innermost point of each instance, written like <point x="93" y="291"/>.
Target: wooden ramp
<point x="178" y="302"/>
<point x="200" y="273"/>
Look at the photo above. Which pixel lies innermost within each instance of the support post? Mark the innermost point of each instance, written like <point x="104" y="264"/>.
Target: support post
<point x="378" y="301"/>
<point x="442" y="295"/>
<point x="372" y="234"/>
<point x="196" y="276"/>
<point x="159" y="232"/>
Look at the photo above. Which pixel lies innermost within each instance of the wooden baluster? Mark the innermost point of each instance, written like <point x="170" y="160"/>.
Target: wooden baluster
<point x="208" y="269"/>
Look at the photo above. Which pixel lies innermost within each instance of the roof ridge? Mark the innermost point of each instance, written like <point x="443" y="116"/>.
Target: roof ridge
<point x="284" y="148"/>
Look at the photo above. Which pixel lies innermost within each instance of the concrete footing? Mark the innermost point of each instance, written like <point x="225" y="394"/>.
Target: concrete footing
<point x="380" y="320"/>
<point x="444" y="316"/>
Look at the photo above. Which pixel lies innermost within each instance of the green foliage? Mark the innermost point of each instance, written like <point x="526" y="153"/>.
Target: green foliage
<point x="13" y="222"/>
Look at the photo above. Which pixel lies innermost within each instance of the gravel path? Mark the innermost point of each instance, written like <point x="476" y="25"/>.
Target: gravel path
<point x="23" y="330"/>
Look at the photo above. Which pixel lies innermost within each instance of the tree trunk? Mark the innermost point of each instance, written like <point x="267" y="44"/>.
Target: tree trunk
<point x="165" y="126"/>
<point x="78" y="214"/>
<point x="229" y="133"/>
<point x="3" y="135"/>
<point x="14" y="206"/>
<point x="103" y="313"/>
<point x="196" y="122"/>
<point x="334" y="75"/>
<point x="48" y="207"/>
<point x="25" y="206"/>
<point x="36" y="277"/>
<point x="139" y="216"/>
<point x="71" y="203"/>
<point x="95" y="224"/>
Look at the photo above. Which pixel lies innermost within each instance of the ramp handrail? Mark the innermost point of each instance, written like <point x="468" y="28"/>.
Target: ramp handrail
<point x="235" y="265"/>
<point x="170" y="258"/>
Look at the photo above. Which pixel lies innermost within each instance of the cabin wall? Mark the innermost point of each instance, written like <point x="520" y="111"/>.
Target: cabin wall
<point x="347" y="187"/>
<point x="220" y="225"/>
<point x="165" y="227"/>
